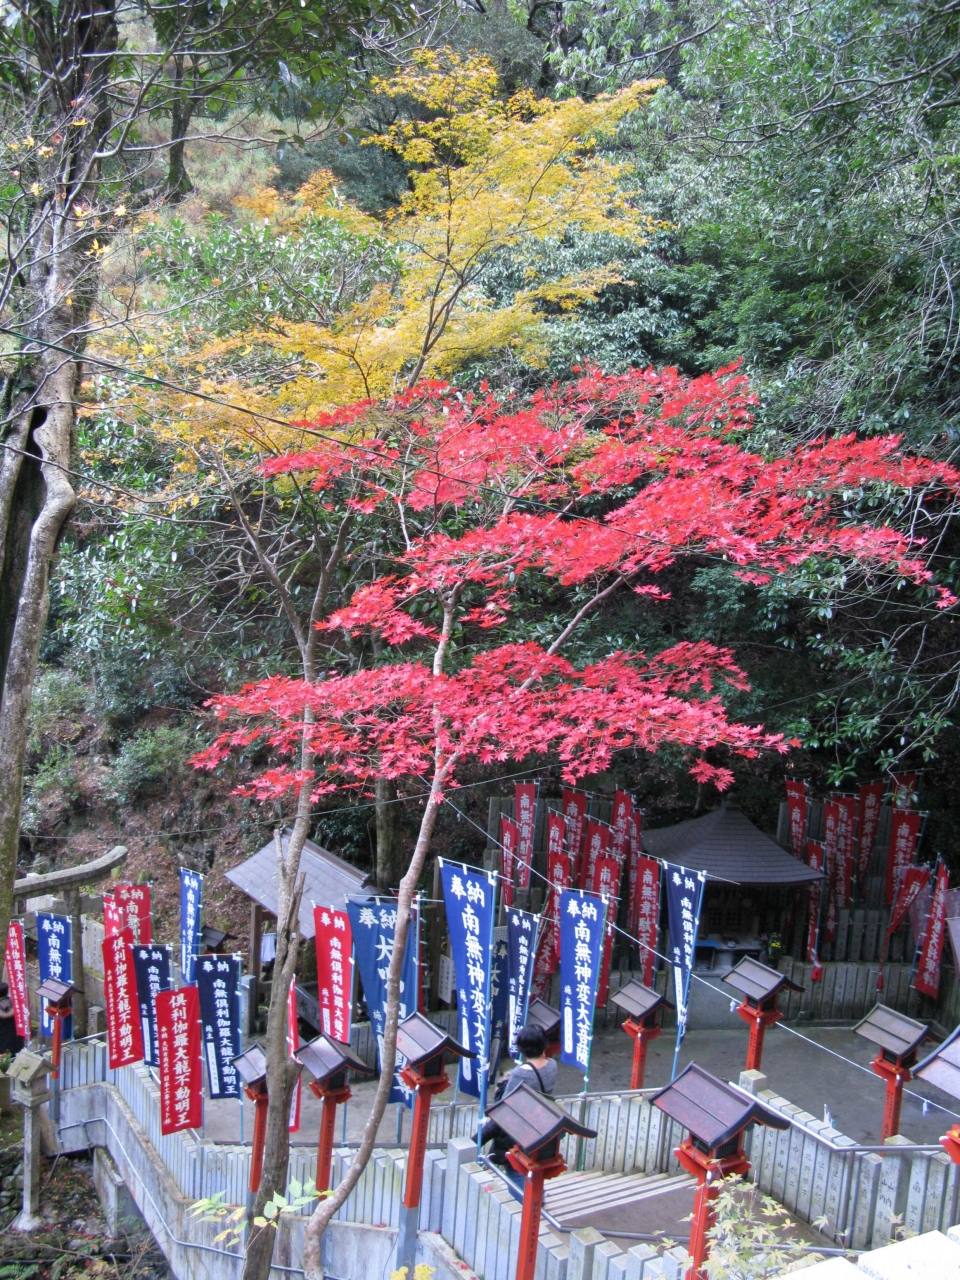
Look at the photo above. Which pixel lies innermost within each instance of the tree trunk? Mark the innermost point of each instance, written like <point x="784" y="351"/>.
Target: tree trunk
<point x="178" y="180"/>
<point x="389" y="836"/>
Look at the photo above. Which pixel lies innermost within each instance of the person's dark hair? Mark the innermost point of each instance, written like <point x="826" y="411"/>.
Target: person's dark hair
<point x="4" y="989"/>
<point x="531" y="1040"/>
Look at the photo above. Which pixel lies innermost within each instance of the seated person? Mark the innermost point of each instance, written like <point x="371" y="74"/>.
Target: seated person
<point x="10" y="1042"/>
<point x="537" y="1070"/>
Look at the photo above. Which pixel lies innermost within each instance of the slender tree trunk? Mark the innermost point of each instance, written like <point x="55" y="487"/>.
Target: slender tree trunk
<point x="389" y="835"/>
<point x="178" y="180"/>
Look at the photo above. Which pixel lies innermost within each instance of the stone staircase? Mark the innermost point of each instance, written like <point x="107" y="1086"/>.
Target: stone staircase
<point x="575" y="1196"/>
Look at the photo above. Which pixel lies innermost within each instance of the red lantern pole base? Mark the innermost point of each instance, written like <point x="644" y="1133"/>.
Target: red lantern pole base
<point x="535" y="1172"/>
<point x="757" y="1020"/>
<point x="641" y="1037"/>
<point x="258" y="1097"/>
<point x="55" y="1012"/>
<point x="330" y="1098"/>
<point x="709" y="1171"/>
<point x="895" y="1075"/>
<point x="425" y="1087"/>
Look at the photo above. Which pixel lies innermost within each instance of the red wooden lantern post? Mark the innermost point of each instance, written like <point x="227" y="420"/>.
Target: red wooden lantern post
<point x="645" y="1008"/>
<point x="328" y="1061"/>
<point x="899" y="1038"/>
<point x="536" y="1125"/>
<point x="58" y="997"/>
<point x="252" y="1068"/>
<point x="760" y="986"/>
<point x="942" y="1068"/>
<point x="540" y="1014"/>
<point x="425" y="1048"/>
<point x="715" y="1114"/>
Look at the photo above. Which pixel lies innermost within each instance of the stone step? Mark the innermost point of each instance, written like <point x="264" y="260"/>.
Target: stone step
<point x="576" y="1194"/>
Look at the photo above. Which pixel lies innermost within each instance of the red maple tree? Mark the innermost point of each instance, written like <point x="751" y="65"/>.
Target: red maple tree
<point x="597" y="486"/>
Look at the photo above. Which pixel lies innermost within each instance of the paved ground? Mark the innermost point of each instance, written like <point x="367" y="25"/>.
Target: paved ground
<point x="806" y="1071"/>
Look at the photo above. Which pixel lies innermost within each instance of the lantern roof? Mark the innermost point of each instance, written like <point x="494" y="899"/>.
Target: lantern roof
<point x="419" y="1040"/>
<point x="942" y="1067"/>
<point x="532" y="1119"/>
<point x="712" y="1111"/>
<point x="758" y="981"/>
<point x="251" y="1065"/>
<point x="639" y="1000"/>
<point x="892" y="1031"/>
<point x="211" y="939"/>
<point x="542" y="1015"/>
<point x="55" y="991"/>
<point x="325" y="1057"/>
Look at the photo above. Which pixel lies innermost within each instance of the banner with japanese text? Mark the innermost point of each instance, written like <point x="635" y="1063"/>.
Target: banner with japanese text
<point x="574" y="806"/>
<point x="559" y="877"/>
<point x="905" y="827"/>
<point x="121" y="1007"/>
<point x="373" y="923"/>
<point x="846" y="850"/>
<point x="620" y="824"/>
<point x="927" y="980"/>
<point x="112" y="916"/>
<point x="596" y="846"/>
<point x="135" y="906"/>
<point x="634" y="856"/>
<point x="16" y="958"/>
<point x="293" y="1044"/>
<point x="525" y="816"/>
<point x="797" y="814"/>
<point x="153" y="967"/>
<point x="218" y="987"/>
<point x="647" y="915"/>
<point x="815" y="859"/>
<point x="499" y="999"/>
<point x="582" y="929"/>
<point x="55" y="954"/>
<point x="469" y="898"/>
<point x="191" y="912"/>
<point x="334" y="939"/>
<point x="871" y="802"/>
<point x="831" y="828"/>
<point x="521" y="946"/>
<point x="607" y="886"/>
<point x="684" y="892"/>
<point x="509" y="840"/>
<point x="180" y="1061"/>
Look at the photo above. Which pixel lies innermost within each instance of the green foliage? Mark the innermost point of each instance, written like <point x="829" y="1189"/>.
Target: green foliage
<point x="149" y="762"/>
<point x="56" y="775"/>
<point x="750" y="1237"/>
<point x="57" y="706"/>
<point x="212" y="1209"/>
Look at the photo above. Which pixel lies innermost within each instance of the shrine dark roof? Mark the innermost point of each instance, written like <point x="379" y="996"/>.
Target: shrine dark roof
<point x="727" y="846"/>
<point x="327" y="880"/>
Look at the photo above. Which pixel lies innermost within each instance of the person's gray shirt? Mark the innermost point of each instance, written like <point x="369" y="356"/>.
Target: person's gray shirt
<point x="525" y="1074"/>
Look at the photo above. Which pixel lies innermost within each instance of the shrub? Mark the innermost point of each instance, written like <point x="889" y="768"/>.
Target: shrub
<point x="56" y="774"/>
<point x="58" y="703"/>
<point x="149" y="762"/>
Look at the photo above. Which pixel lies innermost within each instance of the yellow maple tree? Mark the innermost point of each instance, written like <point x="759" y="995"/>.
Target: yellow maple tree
<point x="486" y="174"/>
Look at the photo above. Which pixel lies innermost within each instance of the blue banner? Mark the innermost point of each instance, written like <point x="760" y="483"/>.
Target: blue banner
<point x="582" y="918"/>
<point x="55" y="953"/>
<point x="218" y="984"/>
<point x="152" y="967"/>
<point x="374" y="924"/>
<point x="469" y="898"/>
<point x="499" y="994"/>
<point x="521" y="946"/>
<point x="191" y="911"/>
<point x="684" y="891"/>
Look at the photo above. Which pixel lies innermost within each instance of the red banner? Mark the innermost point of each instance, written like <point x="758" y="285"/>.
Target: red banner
<point x="124" y="1034"/>
<point x="525" y="816"/>
<point x="334" y="940"/>
<point x="559" y="876"/>
<point x="597" y="846"/>
<point x="846" y="850"/>
<point x="509" y="840"/>
<point x="634" y="829"/>
<point x="181" y="1067"/>
<point x="904" y="839"/>
<point x="912" y="883"/>
<point x="574" y="805"/>
<point x="620" y="824"/>
<point x="134" y="904"/>
<point x="648" y="915"/>
<point x="927" y="980"/>
<point x="17" y="978"/>
<point x="293" y="1044"/>
<point x="871" y="802"/>
<point x="607" y="879"/>
<point x="797" y="811"/>
<point x="831" y="828"/>
<point x="112" y="917"/>
<point x="815" y="892"/>
<point x="904" y="789"/>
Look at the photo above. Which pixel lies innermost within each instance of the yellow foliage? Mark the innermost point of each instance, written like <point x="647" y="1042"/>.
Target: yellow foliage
<point x="487" y="174"/>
